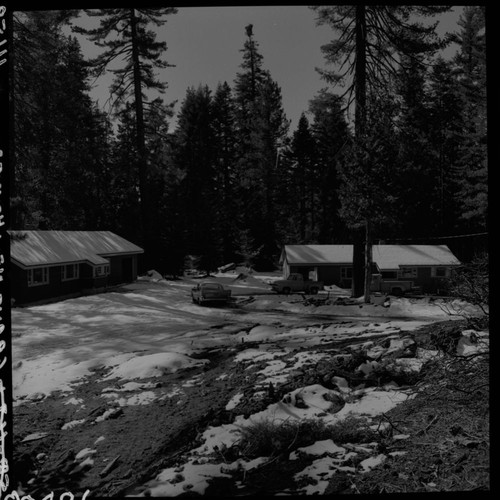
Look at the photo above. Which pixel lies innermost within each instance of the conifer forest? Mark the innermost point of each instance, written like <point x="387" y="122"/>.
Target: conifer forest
<point x="392" y="149"/>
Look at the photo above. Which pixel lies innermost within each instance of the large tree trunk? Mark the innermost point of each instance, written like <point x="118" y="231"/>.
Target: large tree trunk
<point x="361" y="275"/>
<point x="141" y="136"/>
<point x="302" y="205"/>
<point x="358" y="262"/>
<point x="368" y="262"/>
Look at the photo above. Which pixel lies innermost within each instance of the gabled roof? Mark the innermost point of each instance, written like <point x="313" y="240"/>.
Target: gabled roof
<point x="45" y="248"/>
<point x="395" y="256"/>
<point x="317" y="254"/>
<point x="386" y="257"/>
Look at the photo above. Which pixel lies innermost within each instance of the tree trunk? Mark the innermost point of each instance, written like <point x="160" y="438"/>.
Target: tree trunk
<point x="368" y="262"/>
<point x="358" y="262"/>
<point x="140" y="129"/>
<point x="302" y="206"/>
<point x="358" y="259"/>
<point x="362" y="251"/>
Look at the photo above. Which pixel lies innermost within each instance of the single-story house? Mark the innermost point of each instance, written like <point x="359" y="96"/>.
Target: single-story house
<point x="47" y="264"/>
<point x="424" y="265"/>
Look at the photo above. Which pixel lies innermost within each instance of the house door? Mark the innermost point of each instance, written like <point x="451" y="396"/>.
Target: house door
<point x="127" y="271"/>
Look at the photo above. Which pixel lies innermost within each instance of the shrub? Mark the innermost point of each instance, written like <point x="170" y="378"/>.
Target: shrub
<point x="471" y="281"/>
<point x="270" y="438"/>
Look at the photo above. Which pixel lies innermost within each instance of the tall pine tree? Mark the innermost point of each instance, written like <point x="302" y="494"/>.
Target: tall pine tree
<point x="301" y="195"/>
<point x="194" y="153"/>
<point x="58" y="180"/>
<point x="225" y="138"/>
<point x="333" y="145"/>
<point x="471" y="72"/>
<point x="369" y="37"/>
<point x="124" y="36"/>
<point x="262" y="127"/>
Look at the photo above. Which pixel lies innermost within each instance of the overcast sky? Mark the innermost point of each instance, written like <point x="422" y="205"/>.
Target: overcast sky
<point x="204" y="44"/>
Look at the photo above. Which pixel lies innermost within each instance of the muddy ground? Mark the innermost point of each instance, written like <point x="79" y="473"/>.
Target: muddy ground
<point x="141" y="440"/>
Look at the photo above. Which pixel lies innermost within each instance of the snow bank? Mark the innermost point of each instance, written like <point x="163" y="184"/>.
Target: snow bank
<point x="153" y="365"/>
<point x="37" y="378"/>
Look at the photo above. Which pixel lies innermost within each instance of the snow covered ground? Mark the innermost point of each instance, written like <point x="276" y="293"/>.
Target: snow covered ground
<point x="151" y="327"/>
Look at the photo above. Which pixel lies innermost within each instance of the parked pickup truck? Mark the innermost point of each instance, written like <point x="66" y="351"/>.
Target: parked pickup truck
<point x="296" y="283"/>
<point x="210" y="292"/>
<point x="396" y="287"/>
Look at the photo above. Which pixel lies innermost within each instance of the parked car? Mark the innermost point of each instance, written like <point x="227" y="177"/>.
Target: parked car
<point x="210" y="292"/>
<point x="296" y="283"/>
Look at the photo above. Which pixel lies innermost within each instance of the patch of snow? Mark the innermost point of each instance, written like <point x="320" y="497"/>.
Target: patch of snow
<point x="272" y="369"/>
<point x="35" y="436"/>
<point x="193" y="381"/>
<point x="472" y="342"/>
<point x="73" y="401"/>
<point x="215" y="437"/>
<point x="106" y="414"/>
<point x="143" y="398"/>
<point x="109" y="395"/>
<point x="398" y="437"/>
<point x="73" y="423"/>
<point x="254" y="356"/>
<point x="262" y="332"/>
<point x="153" y="365"/>
<point x="153" y="275"/>
<point x="99" y="439"/>
<point x="241" y="464"/>
<point x="341" y="383"/>
<point x="43" y="375"/>
<point x="86" y="452"/>
<point x="373" y="402"/>
<point x="130" y="387"/>
<point x="88" y="462"/>
<point x="177" y="391"/>
<point x="234" y="402"/>
<point x="308" y="357"/>
<point x="320" y="472"/>
<point x="318" y="448"/>
<point x="363" y="448"/>
<point x="372" y="462"/>
<point x="397" y="453"/>
<point x="193" y="478"/>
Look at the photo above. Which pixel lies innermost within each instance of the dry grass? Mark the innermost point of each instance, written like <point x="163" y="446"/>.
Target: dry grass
<point x="448" y="424"/>
<point x="269" y="438"/>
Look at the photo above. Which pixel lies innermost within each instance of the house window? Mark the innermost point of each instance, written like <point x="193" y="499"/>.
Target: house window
<point x="346" y="272"/>
<point x="100" y="271"/>
<point x="39" y="276"/>
<point x="407" y="272"/>
<point x="71" y="272"/>
<point x="439" y="272"/>
<point x="389" y="275"/>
